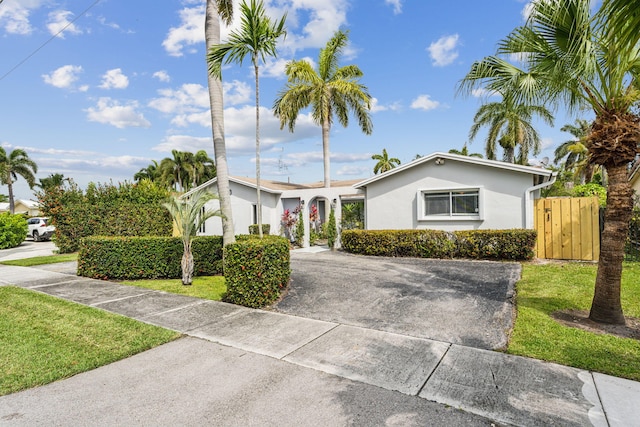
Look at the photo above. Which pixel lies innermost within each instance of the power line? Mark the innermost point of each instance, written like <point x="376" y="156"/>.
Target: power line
<point x="49" y="40"/>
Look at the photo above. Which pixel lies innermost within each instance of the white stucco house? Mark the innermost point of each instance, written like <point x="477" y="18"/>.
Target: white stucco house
<point x="23" y="206"/>
<point x="439" y="191"/>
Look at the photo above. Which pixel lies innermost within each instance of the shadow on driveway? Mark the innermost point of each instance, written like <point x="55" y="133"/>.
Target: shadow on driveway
<point x="462" y="302"/>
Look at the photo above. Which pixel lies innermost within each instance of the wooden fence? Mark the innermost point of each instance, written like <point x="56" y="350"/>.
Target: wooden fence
<point x="568" y="228"/>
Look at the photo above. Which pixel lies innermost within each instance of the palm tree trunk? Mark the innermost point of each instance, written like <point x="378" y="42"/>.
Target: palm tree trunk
<point x="212" y="37"/>
<point x="326" y="155"/>
<point x="12" y="206"/>
<point x="258" y="187"/>
<point x="606" y="306"/>
<point x="187" y="263"/>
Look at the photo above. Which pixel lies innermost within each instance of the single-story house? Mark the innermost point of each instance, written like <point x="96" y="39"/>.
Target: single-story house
<point x="27" y="207"/>
<point x="439" y="191"/>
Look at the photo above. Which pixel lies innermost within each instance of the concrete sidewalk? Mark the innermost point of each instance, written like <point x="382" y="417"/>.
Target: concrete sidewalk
<point x="251" y="367"/>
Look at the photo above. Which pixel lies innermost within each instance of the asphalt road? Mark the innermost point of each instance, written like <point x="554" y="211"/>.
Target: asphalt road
<point x="461" y="302"/>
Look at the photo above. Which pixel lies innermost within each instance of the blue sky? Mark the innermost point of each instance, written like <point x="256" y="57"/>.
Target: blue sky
<point x="125" y="83"/>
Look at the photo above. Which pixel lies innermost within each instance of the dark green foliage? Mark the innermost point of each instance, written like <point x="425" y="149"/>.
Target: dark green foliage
<point x="332" y="231"/>
<point x="412" y="243"/>
<point x="300" y="230"/>
<point x="478" y="244"/>
<point x="132" y="258"/>
<point x="105" y="210"/>
<point x="256" y="270"/>
<point x="496" y="244"/>
<point x="266" y="228"/>
<point x="13" y="230"/>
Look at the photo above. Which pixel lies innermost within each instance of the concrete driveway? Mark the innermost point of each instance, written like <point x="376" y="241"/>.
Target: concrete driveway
<point x="461" y="302"/>
<point x="28" y="249"/>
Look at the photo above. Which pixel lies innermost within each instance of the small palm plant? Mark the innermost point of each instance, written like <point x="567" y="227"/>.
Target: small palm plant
<point x="189" y="213"/>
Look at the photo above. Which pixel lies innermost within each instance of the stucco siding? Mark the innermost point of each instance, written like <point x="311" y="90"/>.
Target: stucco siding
<point x="394" y="202"/>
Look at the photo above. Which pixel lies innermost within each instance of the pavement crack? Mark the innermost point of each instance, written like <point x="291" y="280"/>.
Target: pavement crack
<point x="493" y="375"/>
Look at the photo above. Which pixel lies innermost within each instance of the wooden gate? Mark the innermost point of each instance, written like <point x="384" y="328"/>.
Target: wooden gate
<point x="568" y="228"/>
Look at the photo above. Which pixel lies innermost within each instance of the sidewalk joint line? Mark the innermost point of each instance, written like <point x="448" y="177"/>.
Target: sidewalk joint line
<point x="604" y="411"/>
<point x="312" y="340"/>
<point x="53" y="284"/>
<point x="97" y="304"/>
<point x="434" y="369"/>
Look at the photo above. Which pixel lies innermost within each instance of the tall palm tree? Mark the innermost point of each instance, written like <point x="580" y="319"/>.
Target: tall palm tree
<point x="189" y="214"/>
<point x="578" y="59"/>
<point x="217" y="10"/>
<point x="465" y="152"/>
<point x="13" y="164"/>
<point x="384" y="162"/>
<point x="330" y="90"/>
<point x="151" y="172"/>
<point x="510" y="126"/>
<point x="52" y="181"/>
<point x="175" y="171"/>
<point x="575" y="151"/>
<point x="203" y="168"/>
<point x="257" y="38"/>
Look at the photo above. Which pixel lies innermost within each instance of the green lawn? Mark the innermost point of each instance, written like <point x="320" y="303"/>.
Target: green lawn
<point x="52" y="259"/>
<point x="44" y="339"/>
<point x="544" y="289"/>
<point x="206" y="287"/>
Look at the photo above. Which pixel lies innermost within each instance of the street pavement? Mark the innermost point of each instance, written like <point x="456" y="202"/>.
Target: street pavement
<point x="239" y="366"/>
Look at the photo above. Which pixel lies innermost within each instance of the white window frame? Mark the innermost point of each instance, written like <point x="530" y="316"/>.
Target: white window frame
<point x="422" y="216"/>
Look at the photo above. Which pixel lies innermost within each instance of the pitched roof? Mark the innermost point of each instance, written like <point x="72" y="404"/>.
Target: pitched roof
<point x="277" y="187"/>
<point x="456" y="157"/>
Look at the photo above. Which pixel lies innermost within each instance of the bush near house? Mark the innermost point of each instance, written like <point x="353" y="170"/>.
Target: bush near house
<point x="105" y="210"/>
<point x="476" y="244"/>
<point x="132" y="258"/>
<point x="256" y="270"/>
<point x="13" y="230"/>
<point x="266" y="228"/>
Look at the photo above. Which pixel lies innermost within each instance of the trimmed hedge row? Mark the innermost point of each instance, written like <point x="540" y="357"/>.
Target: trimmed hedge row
<point x="13" y="230"/>
<point x="256" y="270"/>
<point x="514" y="244"/>
<point x="131" y="258"/>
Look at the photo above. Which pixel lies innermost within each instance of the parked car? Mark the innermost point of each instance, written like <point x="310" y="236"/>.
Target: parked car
<point x="39" y="229"/>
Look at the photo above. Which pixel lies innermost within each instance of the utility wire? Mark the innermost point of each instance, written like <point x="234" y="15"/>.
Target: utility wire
<point x="49" y="40"/>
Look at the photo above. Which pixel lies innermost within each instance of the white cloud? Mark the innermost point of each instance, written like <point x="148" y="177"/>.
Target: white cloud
<point x="14" y="16"/>
<point x="189" y="98"/>
<point x="354" y="170"/>
<point x="114" y="79"/>
<point x="63" y="77"/>
<point x="59" y="20"/>
<point x="274" y="68"/>
<point x="546" y="143"/>
<point x="162" y="75"/>
<point x="424" y="102"/>
<point x="482" y="92"/>
<point x="443" y="51"/>
<point x="109" y="111"/>
<point x="189" y="32"/>
<point x="526" y="10"/>
<point x="377" y="107"/>
<point x="397" y="5"/>
<point x="236" y="92"/>
<point x="184" y="143"/>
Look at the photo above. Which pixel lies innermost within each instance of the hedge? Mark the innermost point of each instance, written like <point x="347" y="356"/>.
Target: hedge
<point x="132" y="258"/>
<point x="13" y="230"/>
<point x="256" y="270"/>
<point x="514" y="244"/>
<point x="266" y="228"/>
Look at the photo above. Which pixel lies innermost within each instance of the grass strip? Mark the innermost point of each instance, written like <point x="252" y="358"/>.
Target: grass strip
<point x="206" y="287"/>
<point x="45" y="339"/>
<point x="544" y="289"/>
<point x="51" y="259"/>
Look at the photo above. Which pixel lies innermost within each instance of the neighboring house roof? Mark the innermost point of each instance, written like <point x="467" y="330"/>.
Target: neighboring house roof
<point x="277" y="187"/>
<point x="456" y="157"/>
<point x="4" y="206"/>
<point x="29" y="204"/>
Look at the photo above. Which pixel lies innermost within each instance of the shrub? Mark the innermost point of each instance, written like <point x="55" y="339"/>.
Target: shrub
<point x="13" y="230"/>
<point x="300" y="230"/>
<point x="132" y="258"/>
<point x="478" y="244"/>
<point x="415" y="243"/>
<point x="592" y="189"/>
<point x="105" y="210"/>
<point x="266" y="228"/>
<point x="496" y="244"/>
<point x="256" y="270"/>
<point x="331" y="230"/>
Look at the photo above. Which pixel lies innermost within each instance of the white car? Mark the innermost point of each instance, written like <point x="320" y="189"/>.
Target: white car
<point x="39" y="229"/>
